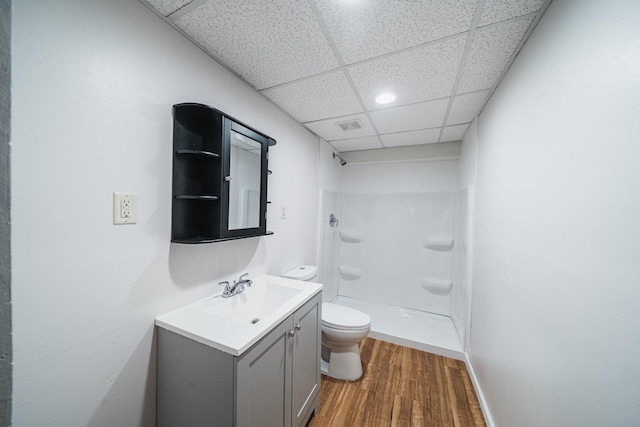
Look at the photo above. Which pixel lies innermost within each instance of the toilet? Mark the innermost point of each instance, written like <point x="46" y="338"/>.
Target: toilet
<point x="343" y="328"/>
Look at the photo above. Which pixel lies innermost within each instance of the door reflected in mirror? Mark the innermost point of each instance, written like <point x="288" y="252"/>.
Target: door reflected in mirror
<point x="244" y="188"/>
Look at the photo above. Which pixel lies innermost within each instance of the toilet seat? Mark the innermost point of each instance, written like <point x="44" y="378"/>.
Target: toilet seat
<point x="343" y="318"/>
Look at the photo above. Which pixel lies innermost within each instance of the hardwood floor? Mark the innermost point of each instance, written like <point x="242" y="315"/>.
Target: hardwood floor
<point x="400" y="387"/>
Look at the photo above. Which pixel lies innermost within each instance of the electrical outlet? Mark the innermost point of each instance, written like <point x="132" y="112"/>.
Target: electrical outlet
<point x="125" y="208"/>
<point x="283" y="212"/>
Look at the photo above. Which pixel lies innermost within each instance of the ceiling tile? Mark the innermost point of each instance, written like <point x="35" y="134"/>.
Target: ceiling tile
<point x="420" y="74"/>
<point x="330" y="131"/>
<point x="500" y="10"/>
<point x="454" y="133"/>
<point x="365" y="29"/>
<point x="465" y="107"/>
<point x="167" y="7"/>
<point x="288" y="45"/>
<point x="366" y="143"/>
<point x="317" y="98"/>
<point x="418" y="137"/>
<point x="490" y="52"/>
<point x="410" y="117"/>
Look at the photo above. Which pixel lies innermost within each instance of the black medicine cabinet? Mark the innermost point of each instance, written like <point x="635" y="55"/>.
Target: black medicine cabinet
<point x="220" y="169"/>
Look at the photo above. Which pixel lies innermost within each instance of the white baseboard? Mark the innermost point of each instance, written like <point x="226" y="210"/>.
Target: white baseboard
<point x="479" y="393"/>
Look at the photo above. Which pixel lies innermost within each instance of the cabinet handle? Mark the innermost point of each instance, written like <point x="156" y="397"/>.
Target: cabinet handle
<point x="292" y="333"/>
<point x="298" y="327"/>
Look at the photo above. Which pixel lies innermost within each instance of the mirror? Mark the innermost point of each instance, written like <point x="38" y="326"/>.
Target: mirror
<point x="244" y="197"/>
<point x="245" y="166"/>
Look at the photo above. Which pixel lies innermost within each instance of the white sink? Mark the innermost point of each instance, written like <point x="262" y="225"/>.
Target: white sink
<point x="254" y="303"/>
<point x="234" y="324"/>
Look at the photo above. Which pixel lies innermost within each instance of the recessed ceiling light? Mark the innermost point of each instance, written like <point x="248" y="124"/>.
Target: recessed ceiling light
<point x="385" y="98"/>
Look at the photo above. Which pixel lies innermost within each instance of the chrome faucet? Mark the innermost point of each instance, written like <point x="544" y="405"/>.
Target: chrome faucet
<point x="238" y="286"/>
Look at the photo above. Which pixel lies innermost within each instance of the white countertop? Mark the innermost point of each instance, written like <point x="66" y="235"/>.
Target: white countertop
<point x="225" y="323"/>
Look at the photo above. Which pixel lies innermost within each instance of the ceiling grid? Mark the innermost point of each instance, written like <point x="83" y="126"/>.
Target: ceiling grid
<point x="324" y="62"/>
<point x="463" y="62"/>
<point x="332" y="43"/>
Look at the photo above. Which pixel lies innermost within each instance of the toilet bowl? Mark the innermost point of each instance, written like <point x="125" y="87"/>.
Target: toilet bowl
<point x="343" y="328"/>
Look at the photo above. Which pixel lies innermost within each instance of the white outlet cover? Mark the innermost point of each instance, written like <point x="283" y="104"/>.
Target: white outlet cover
<point x="125" y="208"/>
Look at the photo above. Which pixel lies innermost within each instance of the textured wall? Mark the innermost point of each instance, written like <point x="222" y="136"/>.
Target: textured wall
<point x="5" y="204"/>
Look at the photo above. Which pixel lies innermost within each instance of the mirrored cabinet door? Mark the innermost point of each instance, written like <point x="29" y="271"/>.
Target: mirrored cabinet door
<point x="245" y="164"/>
<point x="245" y="180"/>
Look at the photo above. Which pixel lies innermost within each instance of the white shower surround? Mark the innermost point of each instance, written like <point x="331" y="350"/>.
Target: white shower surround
<point x="414" y="288"/>
<point x="391" y="257"/>
<point x="396" y="240"/>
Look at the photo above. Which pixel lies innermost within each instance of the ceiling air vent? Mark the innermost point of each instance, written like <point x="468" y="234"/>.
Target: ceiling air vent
<point x="350" y="125"/>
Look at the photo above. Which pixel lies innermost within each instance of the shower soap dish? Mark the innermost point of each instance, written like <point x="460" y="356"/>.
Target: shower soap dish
<point x="350" y="273"/>
<point x="436" y="286"/>
<point x="350" y="237"/>
<point x="437" y="244"/>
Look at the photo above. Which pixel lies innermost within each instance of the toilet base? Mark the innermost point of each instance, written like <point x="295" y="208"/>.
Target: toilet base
<point x="343" y="362"/>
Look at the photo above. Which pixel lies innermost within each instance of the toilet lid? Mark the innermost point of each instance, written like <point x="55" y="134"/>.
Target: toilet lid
<point x="341" y="317"/>
<point x="303" y="272"/>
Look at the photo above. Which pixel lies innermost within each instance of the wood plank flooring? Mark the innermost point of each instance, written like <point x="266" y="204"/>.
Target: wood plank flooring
<point x="400" y="387"/>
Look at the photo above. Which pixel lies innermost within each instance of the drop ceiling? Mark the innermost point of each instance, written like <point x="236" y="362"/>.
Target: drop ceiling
<point x="324" y="62"/>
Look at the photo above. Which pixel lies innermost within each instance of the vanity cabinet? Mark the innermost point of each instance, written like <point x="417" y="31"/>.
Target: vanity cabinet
<point x="276" y="382"/>
<point x="220" y="168"/>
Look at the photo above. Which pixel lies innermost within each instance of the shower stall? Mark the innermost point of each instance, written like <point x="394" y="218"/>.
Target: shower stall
<point x="402" y="259"/>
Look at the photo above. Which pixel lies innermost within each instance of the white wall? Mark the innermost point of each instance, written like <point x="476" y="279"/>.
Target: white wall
<point x="93" y="86"/>
<point x="330" y="168"/>
<point x="468" y="157"/>
<point x="556" y="301"/>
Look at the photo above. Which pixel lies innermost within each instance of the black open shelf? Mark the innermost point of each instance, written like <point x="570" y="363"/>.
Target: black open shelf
<point x="197" y="172"/>
<point x="210" y="239"/>
<point x="191" y="197"/>
<point x="199" y="153"/>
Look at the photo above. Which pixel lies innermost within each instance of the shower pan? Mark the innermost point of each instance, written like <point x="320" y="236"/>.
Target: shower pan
<point x="398" y="257"/>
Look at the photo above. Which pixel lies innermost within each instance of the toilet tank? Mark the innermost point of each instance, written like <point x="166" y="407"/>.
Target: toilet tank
<point x="302" y="272"/>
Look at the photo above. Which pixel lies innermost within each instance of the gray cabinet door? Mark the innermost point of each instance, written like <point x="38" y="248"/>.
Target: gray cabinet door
<point x="195" y="383"/>
<point x="264" y="381"/>
<point x="305" y="360"/>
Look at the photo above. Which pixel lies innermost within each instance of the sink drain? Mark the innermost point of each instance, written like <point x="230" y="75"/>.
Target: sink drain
<point x="254" y="321"/>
